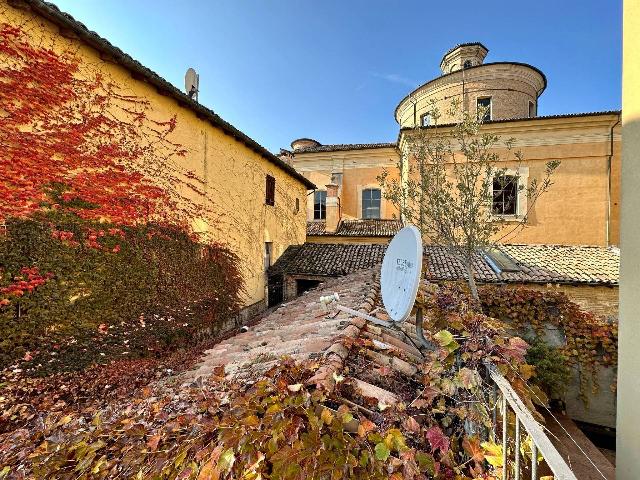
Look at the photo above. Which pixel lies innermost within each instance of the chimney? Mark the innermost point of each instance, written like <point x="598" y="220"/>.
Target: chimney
<point x="333" y="208"/>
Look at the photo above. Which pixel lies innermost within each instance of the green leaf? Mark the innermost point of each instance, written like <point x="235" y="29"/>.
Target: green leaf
<point x="443" y="337"/>
<point x="382" y="451"/>
<point x="226" y="460"/>
<point x="425" y="463"/>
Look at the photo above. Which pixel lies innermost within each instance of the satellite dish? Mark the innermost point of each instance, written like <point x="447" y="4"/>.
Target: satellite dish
<point x="401" y="272"/>
<point x="191" y="83"/>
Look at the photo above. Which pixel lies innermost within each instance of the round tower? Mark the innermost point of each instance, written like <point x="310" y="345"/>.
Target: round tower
<point x="503" y="90"/>
<point x="302" y="143"/>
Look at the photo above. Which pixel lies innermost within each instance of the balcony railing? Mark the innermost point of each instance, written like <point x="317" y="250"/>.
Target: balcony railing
<point x="540" y="442"/>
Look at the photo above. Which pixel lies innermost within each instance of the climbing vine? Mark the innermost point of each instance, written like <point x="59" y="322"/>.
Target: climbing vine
<point x="97" y="259"/>
<point x="590" y="340"/>
<point x="280" y="426"/>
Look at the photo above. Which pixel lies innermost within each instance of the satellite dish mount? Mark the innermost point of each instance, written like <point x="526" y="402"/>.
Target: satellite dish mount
<point x="400" y="277"/>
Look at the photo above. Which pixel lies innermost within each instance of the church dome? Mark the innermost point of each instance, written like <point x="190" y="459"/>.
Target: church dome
<point x="503" y="90"/>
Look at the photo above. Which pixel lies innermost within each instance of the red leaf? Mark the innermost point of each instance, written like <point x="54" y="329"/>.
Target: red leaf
<point x="437" y="439"/>
<point x="153" y="442"/>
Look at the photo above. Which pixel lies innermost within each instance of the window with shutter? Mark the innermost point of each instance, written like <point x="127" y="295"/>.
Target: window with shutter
<point x="270" y="198"/>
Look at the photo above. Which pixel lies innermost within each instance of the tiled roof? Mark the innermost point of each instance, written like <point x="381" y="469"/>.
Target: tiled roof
<point x="299" y="329"/>
<point x="344" y="146"/>
<point x="329" y="259"/>
<point x="303" y="330"/>
<point x="564" y="264"/>
<point x="316" y="228"/>
<point x="358" y="228"/>
<point x="64" y="20"/>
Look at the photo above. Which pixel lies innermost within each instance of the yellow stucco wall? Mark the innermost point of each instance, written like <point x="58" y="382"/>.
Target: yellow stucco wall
<point x="581" y="207"/>
<point x="359" y="168"/>
<point x="233" y="175"/>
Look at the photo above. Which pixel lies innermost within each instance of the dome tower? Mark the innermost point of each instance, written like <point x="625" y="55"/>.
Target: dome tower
<point x="504" y="89"/>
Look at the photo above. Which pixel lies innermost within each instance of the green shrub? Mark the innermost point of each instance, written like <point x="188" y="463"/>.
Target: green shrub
<point x="552" y="373"/>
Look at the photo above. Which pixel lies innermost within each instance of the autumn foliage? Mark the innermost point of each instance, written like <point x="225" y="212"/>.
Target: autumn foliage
<point x="280" y="426"/>
<point x="97" y="261"/>
<point x="591" y="341"/>
<point x="63" y="124"/>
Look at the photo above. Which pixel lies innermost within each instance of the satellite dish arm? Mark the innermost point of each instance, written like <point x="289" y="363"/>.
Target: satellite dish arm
<point x="419" y="333"/>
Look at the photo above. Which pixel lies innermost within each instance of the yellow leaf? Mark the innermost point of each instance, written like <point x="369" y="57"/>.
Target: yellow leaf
<point x="527" y="371"/>
<point x="493" y="453"/>
<point x="326" y="416"/>
<point x="64" y="420"/>
<point x="251" y="421"/>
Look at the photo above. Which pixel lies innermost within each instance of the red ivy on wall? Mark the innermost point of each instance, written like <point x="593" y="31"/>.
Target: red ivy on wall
<point x="63" y="124"/>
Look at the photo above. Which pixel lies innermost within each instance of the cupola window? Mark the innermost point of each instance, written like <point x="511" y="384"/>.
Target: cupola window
<point x="484" y="108"/>
<point x="467" y="64"/>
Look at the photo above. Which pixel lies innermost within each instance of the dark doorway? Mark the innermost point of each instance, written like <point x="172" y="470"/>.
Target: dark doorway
<point x="302" y="285"/>
<point x="275" y="290"/>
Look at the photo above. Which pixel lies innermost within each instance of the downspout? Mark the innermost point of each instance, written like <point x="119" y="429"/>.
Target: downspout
<point x="609" y="161"/>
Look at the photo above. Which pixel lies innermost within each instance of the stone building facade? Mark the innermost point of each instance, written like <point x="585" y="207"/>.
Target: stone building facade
<point x="581" y="208"/>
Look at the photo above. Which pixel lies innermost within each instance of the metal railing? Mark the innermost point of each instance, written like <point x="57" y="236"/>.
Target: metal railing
<point x="540" y="442"/>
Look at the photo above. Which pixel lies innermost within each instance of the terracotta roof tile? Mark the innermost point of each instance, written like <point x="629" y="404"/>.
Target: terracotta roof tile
<point x="301" y="329"/>
<point x="357" y="228"/>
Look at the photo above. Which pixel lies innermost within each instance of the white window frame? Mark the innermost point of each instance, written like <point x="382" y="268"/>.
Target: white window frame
<point x="422" y="119"/>
<point x="313" y="206"/>
<point x="523" y="183"/>
<point x="376" y="186"/>
<point x="483" y="97"/>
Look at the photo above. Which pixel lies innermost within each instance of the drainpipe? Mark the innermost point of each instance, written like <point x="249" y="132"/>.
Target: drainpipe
<point x="609" y="160"/>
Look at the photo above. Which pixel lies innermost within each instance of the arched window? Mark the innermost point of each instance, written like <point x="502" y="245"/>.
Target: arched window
<point x="467" y="64"/>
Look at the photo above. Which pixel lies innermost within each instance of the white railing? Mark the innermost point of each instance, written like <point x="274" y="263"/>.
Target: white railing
<point x="539" y="439"/>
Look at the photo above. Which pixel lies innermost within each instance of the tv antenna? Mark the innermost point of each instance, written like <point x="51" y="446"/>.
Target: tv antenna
<point x="192" y="83"/>
<point x="399" y="282"/>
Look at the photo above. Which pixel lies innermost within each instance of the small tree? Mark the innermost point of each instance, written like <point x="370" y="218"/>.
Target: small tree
<point x="447" y="182"/>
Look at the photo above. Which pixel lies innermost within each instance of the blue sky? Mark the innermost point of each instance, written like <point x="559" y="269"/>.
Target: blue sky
<point x="334" y="70"/>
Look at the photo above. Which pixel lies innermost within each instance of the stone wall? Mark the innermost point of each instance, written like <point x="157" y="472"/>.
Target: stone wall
<point x="597" y="299"/>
